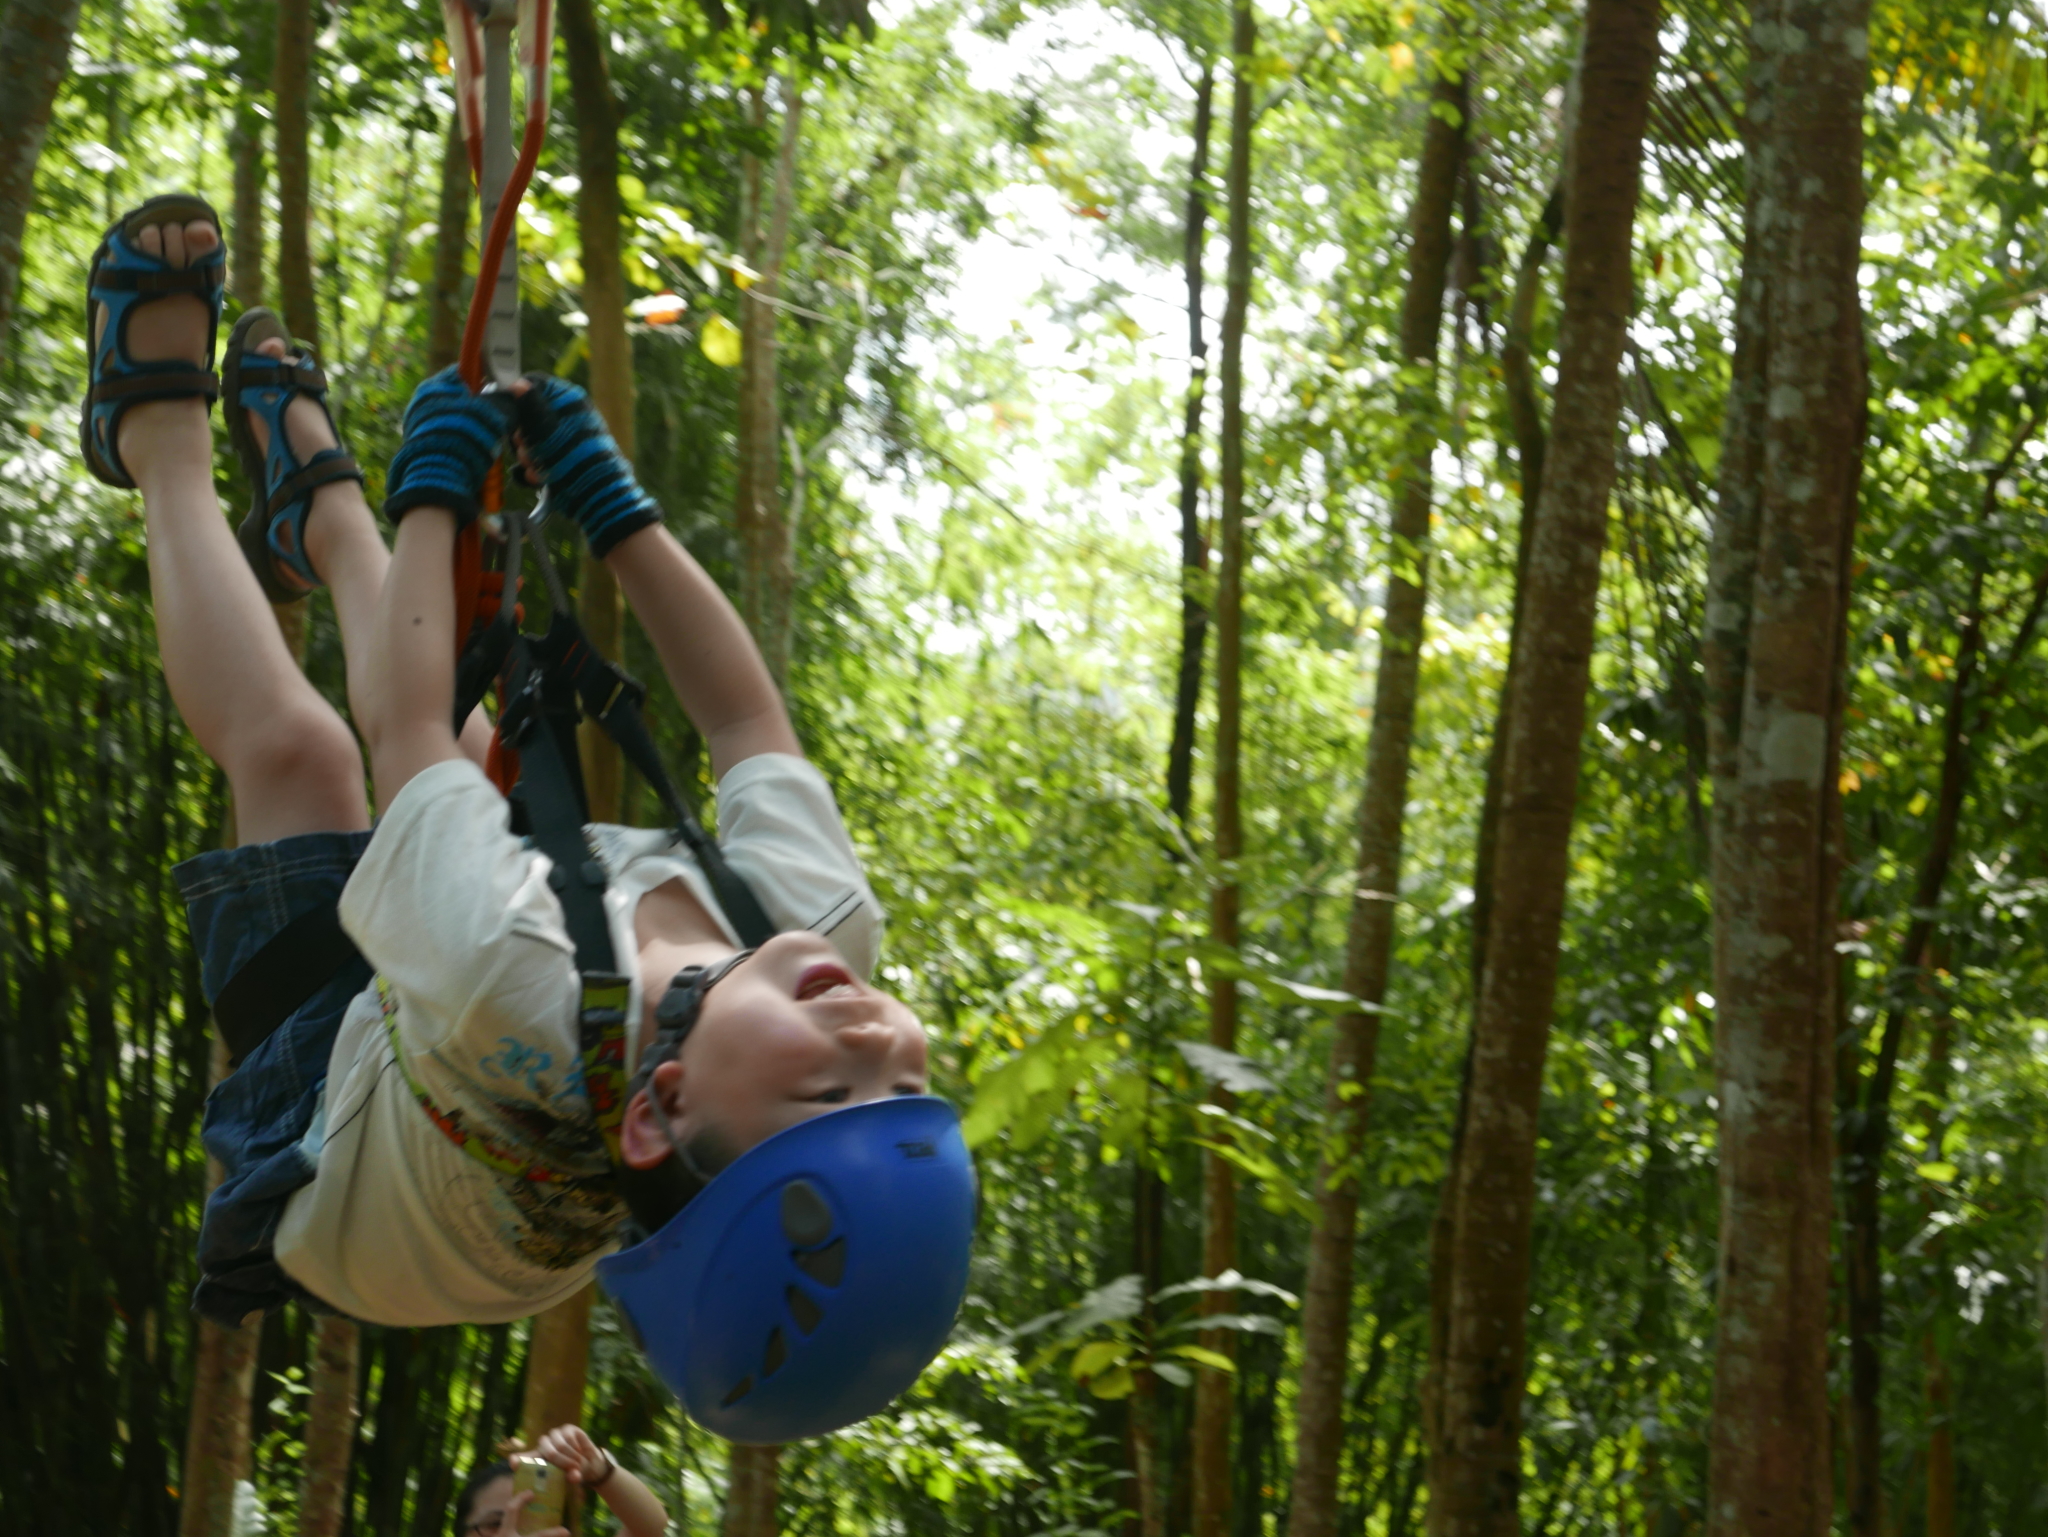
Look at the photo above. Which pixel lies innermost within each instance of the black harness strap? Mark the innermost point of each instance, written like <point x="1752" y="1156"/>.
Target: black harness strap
<point x="300" y="959"/>
<point x="609" y="696"/>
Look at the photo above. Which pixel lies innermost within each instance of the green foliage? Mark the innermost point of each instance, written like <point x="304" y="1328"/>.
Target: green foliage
<point x="987" y="619"/>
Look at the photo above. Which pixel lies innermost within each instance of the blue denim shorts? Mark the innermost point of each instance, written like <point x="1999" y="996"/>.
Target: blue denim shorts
<point x="263" y="1121"/>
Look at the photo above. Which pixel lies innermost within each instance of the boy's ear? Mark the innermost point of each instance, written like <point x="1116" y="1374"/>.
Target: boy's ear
<point x="643" y="1134"/>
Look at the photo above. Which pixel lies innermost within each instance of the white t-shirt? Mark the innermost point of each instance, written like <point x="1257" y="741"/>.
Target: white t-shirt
<point x="401" y="1225"/>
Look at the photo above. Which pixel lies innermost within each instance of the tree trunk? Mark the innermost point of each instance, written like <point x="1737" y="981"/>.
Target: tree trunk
<point x="35" y="51"/>
<point x="1209" y="1448"/>
<point x="1148" y="1233"/>
<point x="750" y="1492"/>
<point x="557" y="1361"/>
<point x="245" y="238"/>
<point x="330" y="1428"/>
<point x="245" y="152"/>
<point x="1194" y="548"/>
<point x="1326" y="1311"/>
<point x="1864" y="1135"/>
<point x="446" y="306"/>
<point x="223" y="1383"/>
<point x="291" y="92"/>
<point x="1776" y="607"/>
<point x="767" y="541"/>
<point x="1941" y="1435"/>
<point x="599" y="216"/>
<point x="1525" y="416"/>
<point x="1475" y="1481"/>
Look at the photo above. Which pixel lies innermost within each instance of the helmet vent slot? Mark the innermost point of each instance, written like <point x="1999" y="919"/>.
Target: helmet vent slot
<point x="806" y="1219"/>
<point x="740" y="1390"/>
<point x="827" y="1265"/>
<point x="807" y="1313"/>
<point x="775" y="1353"/>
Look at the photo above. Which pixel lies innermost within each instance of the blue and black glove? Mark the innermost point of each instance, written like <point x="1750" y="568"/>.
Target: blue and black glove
<point x="452" y="438"/>
<point x="588" y="478"/>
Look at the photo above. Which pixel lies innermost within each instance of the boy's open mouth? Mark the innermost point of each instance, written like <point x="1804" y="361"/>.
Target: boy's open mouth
<point x="822" y="980"/>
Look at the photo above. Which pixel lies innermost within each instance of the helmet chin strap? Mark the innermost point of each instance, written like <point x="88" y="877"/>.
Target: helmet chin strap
<point x="677" y="1014"/>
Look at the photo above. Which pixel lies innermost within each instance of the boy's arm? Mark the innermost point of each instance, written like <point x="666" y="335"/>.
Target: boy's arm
<point x="711" y="661"/>
<point x="410" y="692"/>
<point x="452" y="438"/>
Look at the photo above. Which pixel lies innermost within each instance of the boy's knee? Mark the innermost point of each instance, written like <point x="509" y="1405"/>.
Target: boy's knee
<point x="305" y="750"/>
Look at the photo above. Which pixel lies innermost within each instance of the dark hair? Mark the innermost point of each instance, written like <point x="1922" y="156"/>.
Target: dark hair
<point x="653" y="1196"/>
<point x="472" y="1486"/>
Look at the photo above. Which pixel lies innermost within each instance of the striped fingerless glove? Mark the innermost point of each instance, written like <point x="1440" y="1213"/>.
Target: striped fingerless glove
<point x="588" y="478"/>
<point x="452" y="438"/>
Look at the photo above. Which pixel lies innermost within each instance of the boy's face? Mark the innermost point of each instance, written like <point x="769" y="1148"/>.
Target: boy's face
<point x="788" y="1034"/>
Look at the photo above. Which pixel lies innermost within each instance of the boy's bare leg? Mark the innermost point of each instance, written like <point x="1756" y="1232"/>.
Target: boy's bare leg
<point x="291" y="761"/>
<point x="710" y="658"/>
<point x="407" y="689"/>
<point x="347" y="549"/>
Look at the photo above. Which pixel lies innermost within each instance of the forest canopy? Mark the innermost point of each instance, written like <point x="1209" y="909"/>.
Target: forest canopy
<point x="1426" y="615"/>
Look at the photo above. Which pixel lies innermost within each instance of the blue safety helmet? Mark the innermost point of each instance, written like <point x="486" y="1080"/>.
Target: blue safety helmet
<point x="812" y="1280"/>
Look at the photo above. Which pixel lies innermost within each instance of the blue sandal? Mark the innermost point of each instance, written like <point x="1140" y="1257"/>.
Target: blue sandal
<point x="273" y="535"/>
<point x="123" y="277"/>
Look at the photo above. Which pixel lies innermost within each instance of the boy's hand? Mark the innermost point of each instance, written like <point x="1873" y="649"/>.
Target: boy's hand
<point x="569" y="1449"/>
<point x="587" y="477"/>
<point x="452" y="438"/>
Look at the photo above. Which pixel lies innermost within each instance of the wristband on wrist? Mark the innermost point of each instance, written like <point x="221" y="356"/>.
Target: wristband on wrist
<point x="611" y="1466"/>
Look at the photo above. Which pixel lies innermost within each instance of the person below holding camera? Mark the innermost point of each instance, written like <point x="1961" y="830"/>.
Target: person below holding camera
<point x="497" y="1501"/>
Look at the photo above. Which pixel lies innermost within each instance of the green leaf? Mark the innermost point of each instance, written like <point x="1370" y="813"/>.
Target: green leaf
<point x="1940" y="1173"/>
<point x="1214" y="1360"/>
<point x="1229" y="1281"/>
<point x="1114" y="1384"/>
<point x="1098" y="1356"/>
<point x="1240" y="1323"/>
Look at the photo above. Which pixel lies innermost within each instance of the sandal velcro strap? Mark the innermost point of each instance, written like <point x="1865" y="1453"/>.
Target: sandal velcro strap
<point x="327" y="467"/>
<point x="179" y="280"/>
<point x="159" y="384"/>
<point x="288" y="374"/>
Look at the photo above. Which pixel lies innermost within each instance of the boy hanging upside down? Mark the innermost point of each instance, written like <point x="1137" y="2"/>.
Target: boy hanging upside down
<point x="419" y="1148"/>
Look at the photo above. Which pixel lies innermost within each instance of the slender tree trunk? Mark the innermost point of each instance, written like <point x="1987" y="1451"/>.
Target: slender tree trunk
<point x="768" y="542"/>
<point x="1776" y="606"/>
<point x="1194" y="548"/>
<point x="223" y="1383"/>
<point x="1209" y="1449"/>
<point x="1525" y="416"/>
<point x="291" y="92"/>
<point x="557" y="1361"/>
<point x="330" y="1427"/>
<point x="1864" y="1135"/>
<point x="600" y="214"/>
<point x="245" y="238"/>
<point x="446" y="302"/>
<point x="251" y="166"/>
<point x="1326" y="1312"/>
<point x="35" y="51"/>
<point x="750" y="1493"/>
<point x="1941" y="1435"/>
<point x="1475" y="1482"/>
<point x="1148" y="1232"/>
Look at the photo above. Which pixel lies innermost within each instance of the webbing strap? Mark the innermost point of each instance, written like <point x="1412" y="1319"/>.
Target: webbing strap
<point x="550" y="791"/>
<point x="294" y="964"/>
<point x="612" y="698"/>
